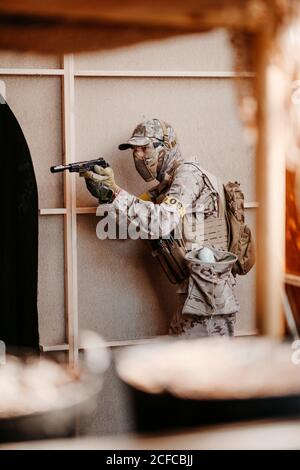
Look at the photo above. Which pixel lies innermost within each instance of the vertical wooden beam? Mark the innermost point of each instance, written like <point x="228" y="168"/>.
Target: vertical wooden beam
<point x="70" y="229"/>
<point x="270" y="179"/>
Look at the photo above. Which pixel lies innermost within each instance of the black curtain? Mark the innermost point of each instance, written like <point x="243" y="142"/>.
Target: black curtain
<point x="19" y="236"/>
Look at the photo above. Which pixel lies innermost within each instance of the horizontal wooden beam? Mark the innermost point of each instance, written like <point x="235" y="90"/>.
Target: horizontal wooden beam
<point x="162" y="74"/>
<point x="108" y="344"/>
<point x="30" y="71"/>
<point x="130" y="342"/>
<point x="126" y="73"/>
<point x="62" y="211"/>
<point x="86" y="210"/>
<point x="54" y="347"/>
<point x="58" y="211"/>
<point x="92" y="210"/>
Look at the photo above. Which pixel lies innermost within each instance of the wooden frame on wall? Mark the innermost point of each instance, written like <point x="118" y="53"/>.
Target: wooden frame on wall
<point x="70" y="211"/>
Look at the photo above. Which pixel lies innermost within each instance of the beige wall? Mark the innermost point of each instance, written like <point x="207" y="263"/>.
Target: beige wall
<point x="209" y="52"/>
<point x="122" y="293"/>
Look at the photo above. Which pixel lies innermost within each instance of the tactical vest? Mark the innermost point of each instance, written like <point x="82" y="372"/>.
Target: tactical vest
<point x="204" y="225"/>
<point x="215" y="225"/>
<point x="212" y="231"/>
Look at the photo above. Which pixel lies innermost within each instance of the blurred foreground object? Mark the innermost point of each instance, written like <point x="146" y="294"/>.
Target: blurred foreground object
<point x="72" y="26"/>
<point x="40" y="398"/>
<point x="195" y="382"/>
<point x="255" y="435"/>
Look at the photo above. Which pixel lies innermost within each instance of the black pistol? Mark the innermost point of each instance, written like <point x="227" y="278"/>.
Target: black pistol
<point x="79" y="167"/>
<point x="107" y="195"/>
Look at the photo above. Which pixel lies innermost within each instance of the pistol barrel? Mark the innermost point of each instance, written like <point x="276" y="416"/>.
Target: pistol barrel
<point x="57" y="168"/>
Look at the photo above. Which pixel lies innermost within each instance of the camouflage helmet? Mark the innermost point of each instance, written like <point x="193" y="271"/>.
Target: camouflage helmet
<point x="148" y="132"/>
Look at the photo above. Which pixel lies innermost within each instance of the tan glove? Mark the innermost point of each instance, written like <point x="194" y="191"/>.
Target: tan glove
<point x="95" y="180"/>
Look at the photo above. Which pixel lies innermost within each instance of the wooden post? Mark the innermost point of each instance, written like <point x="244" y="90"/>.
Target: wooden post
<point x="270" y="179"/>
<point x="70" y="229"/>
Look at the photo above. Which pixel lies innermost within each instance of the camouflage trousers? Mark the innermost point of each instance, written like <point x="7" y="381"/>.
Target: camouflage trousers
<point x="200" y="326"/>
<point x="194" y="326"/>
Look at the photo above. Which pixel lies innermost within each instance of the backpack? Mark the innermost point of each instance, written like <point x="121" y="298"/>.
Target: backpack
<point x="240" y="240"/>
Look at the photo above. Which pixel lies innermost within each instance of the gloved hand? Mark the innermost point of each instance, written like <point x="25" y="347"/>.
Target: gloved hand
<point x="99" y="181"/>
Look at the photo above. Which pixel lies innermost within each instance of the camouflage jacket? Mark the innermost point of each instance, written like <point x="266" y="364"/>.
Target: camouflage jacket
<point x="186" y="200"/>
<point x="189" y="196"/>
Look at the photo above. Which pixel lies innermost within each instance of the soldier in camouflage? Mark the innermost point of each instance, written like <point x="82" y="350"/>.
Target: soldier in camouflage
<point x="185" y="196"/>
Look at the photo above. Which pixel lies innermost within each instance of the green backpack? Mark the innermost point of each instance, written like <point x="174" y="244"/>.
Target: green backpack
<point x="240" y="240"/>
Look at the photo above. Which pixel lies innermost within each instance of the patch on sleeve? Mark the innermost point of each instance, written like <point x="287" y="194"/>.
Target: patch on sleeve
<point x="172" y="201"/>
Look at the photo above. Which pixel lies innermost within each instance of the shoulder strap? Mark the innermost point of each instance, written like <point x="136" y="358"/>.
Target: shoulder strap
<point x="212" y="180"/>
<point x="215" y="185"/>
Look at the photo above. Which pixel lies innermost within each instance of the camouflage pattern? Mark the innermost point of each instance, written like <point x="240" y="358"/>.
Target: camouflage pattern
<point x="194" y="326"/>
<point x="149" y="131"/>
<point x="210" y="289"/>
<point x="188" y="183"/>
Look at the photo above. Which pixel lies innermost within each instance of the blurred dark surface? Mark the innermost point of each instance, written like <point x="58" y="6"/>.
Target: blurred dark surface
<point x="156" y="412"/>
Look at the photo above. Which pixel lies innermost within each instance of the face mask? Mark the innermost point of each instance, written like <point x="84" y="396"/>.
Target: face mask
<point x="146" y="160"/>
